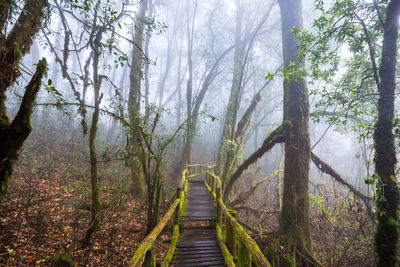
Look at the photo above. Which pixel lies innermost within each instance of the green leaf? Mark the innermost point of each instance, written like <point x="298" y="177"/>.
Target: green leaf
<point x="269" y="76"/>
<point x="212" y="117"/>
<point x="394" y="223"/>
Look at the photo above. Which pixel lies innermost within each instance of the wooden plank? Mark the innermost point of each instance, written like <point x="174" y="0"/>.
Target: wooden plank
<point x="198" y="246"/>
<point x="199" y="260"/>
<point x="199" y="254"/>
<point x="188" y="249"/>
<point x="209" y="263"/>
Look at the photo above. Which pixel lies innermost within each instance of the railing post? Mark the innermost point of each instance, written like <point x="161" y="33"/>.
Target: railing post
<point x="150" y="259"/>
<point x="185" y="183"/>
<point x="219" y="208"/>
<point x="231" y="239"/>
<point x="178" y="207"/>
<point x="244" y="256"/>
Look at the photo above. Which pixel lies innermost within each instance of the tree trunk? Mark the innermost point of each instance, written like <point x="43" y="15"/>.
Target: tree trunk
<point x="14" y="135"/>
<point x="135" y="77"/>
<point x="13" y="47"/>
<point x="233" y="136"/>
<point x="295" y="217"/>
<point x="387" y="236"/>
<point x="95" y="207"/>
<point x="226" y="147"/>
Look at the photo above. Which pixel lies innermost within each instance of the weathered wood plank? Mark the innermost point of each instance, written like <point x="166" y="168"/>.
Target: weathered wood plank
<point x="198" y="246"/>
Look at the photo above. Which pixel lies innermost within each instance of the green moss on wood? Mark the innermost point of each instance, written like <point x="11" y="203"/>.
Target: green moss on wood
<point x="249" y="244"/>
<point x="148" y="242"/>
<point x="172" y="246"/>
<point x="225" y="252"/>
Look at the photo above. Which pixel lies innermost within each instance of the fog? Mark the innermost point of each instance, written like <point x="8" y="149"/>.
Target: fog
<point x="214" y="30"/>
<point x="188" y="56"/>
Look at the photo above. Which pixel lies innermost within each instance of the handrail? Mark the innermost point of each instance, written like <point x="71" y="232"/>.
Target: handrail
<point x="243" y="248"/>
<point x="147" y="244"/>
<point x="144" y="254"/>
<point x="197" y="168"/>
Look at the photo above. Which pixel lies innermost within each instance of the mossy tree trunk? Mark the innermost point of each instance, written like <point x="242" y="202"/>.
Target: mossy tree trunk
<point x="134" y="100"/>
<point x="233" y="136"/>
<point x="12" y="48"/>
<point x="387" y="236"/>
<point x="227" y="146"/>
<point x="96" y="205"/>
<point x="295" y="217"/>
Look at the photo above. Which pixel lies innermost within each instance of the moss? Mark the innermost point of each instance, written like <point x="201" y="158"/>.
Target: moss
<point x="150" y="259"/>
<point x="14" y="135"/>
<point x="244" y="256"/>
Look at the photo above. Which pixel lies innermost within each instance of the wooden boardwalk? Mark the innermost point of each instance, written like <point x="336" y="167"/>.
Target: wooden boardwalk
<point x="198" y="246"/>
<point x="199" y="230"/>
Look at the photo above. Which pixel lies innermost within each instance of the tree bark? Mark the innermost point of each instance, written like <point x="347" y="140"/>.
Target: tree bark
<point x="277" y="136"/>
<point x="387" y="236"/>
<point x="95" y="207"/>
<point x="228" y="131"/>
<point x="12" y="48"/>
<point x="134" y="100"/>
<point x="232" y="137"/>
<point x="14" y="135"/>
<point x="295" y="217"/>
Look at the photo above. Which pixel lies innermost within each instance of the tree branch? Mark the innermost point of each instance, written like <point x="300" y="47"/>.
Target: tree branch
<point x="325" y="168"/>
<point x="277" y="136"/>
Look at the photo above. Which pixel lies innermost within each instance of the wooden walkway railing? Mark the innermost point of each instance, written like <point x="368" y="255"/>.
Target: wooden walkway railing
<point x="237" y="247"/>
<point x="144" y="254"/>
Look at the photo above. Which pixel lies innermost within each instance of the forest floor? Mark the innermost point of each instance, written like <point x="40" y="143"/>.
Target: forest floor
<point x="44" y="218"/>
